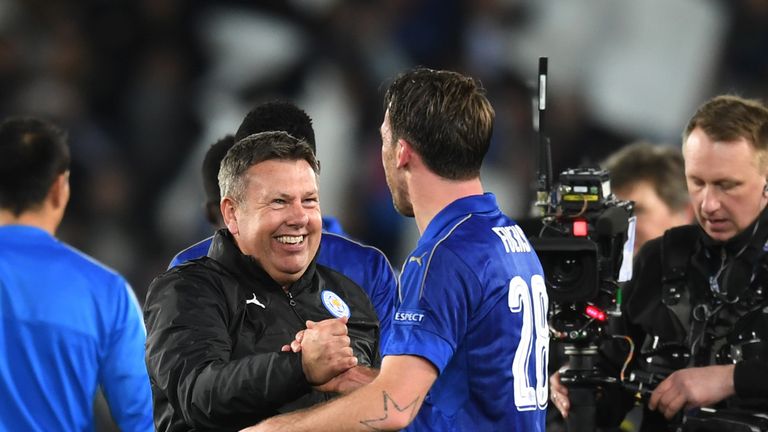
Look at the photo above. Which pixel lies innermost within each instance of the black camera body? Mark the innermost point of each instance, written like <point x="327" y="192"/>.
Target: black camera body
<point x="581" y="248"/>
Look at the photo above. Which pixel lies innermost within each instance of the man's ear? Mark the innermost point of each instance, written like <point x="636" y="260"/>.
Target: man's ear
<point x="404" y="153"/>
<point x="58" y="194"/>
<point x="229" y="214"/>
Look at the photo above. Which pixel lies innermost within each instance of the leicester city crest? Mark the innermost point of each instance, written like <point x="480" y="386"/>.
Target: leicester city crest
<point x="334" y="304"/>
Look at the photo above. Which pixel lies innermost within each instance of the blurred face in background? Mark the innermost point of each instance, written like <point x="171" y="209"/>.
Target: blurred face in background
<point x="726" y="183"/>
<point x="654" y="216"/>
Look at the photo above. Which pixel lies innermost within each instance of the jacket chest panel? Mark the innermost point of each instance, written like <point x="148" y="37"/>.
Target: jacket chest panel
<point x="264" y="327"/>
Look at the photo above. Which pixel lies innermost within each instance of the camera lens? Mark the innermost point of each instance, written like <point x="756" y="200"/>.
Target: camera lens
<point x="566" y="272"/>
<point x="570" y="267"/>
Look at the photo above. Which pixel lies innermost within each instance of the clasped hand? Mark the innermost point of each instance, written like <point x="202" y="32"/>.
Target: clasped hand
<point x="326" y="351"/>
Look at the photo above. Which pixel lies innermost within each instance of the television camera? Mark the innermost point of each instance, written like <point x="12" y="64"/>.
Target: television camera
<point x="585" y="248"/>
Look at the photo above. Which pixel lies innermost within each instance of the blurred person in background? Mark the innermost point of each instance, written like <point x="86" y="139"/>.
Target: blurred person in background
<point x="219" y="326"/>
<point x="365" y="265"/>
<point x="68" y="323"/>
<point x="653" y="176"/>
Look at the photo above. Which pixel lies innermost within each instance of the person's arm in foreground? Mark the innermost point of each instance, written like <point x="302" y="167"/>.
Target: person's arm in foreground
<point x="692" y="388"/>
<point x="390" y="402"/>
<point x="123" y="374"/>
<point x="343" y="383"/>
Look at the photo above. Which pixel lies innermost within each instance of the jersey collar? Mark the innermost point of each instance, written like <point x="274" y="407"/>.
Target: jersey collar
<point x="24" y="232"/>
<point x="485" y="203"/>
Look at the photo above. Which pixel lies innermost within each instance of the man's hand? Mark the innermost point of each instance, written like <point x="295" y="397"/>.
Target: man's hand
<point x="295" y="345"/>
<point x="691" y="388"/>
<point x="558" y="394"/>
<point x="349" y="380"/>
<point x="325" y="350"/>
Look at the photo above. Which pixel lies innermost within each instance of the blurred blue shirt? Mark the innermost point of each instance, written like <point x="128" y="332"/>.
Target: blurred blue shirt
<point x="67" y="325"/>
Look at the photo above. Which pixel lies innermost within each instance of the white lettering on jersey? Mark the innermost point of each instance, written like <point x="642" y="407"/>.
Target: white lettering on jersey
<point x="513" y="238"/>
<point x="533" y="347"/>
<point x="409" y="317"/>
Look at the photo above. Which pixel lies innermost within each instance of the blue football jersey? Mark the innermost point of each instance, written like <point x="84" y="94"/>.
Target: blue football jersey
<point x="472" y="301"/>
<point x="68" y="325"/>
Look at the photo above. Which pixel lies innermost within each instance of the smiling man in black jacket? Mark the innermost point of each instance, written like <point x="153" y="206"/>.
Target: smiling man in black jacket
<point x="217" y="326"/>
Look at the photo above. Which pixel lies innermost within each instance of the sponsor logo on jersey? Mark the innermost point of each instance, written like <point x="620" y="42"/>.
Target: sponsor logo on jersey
<point x="417" y="259"/>
<point x="409" y="316"/>
<point x="334" y="304"/>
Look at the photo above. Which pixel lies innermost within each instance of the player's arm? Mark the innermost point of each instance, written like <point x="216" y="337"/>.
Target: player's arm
<point x="390" y="402"/>
<point x="123" y="373"/>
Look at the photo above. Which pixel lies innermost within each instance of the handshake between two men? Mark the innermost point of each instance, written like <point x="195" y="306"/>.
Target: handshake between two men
<point x="327" y="357"/>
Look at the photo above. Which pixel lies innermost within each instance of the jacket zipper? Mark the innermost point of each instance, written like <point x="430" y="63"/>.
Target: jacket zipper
<point x="292" y="302"/>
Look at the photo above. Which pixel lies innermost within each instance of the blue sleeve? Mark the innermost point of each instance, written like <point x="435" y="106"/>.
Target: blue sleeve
<point x="177" y="260"/>
<point x="382" y="294"/>
<point x="123" y="372"/>
<point x="332" y="225"/>
<point x="197" y="250"/>
<point x="368" y="267"/>
<point x="436" y="302"/>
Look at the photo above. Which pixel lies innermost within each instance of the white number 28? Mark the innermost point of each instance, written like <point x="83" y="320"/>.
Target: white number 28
<point x="528" y="395"/>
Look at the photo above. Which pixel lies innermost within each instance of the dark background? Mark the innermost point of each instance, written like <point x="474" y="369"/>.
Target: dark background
<point x="143" y="87"/>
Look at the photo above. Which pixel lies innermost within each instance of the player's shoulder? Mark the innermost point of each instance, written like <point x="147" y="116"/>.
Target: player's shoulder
<point x="469" y="231"/>
<point x="476" y="238"/>
<point x="82" y="262"/>
<point x="340" y="243"/>
<point x="197" y="250"/>
<point x="194" y="278"/>
<point x="196" y="269"/>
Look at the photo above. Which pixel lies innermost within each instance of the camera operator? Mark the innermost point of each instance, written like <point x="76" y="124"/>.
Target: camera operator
<point x="696" y="284"/>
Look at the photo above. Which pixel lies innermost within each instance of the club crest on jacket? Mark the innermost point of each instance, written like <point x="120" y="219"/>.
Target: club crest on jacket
<point x="334" y="304"/>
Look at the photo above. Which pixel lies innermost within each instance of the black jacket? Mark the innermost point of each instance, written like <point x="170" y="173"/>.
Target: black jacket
<point x="647" y="315"/>
<point x="215" y="327"/>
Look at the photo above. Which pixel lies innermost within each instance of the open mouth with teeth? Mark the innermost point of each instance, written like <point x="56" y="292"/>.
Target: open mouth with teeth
<point x="290" y="240"/>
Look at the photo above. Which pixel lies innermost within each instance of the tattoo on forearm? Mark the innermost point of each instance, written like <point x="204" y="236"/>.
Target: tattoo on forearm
<point x="390" y="403"/>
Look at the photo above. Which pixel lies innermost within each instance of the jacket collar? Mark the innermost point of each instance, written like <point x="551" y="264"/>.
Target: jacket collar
<point x="749" y="242"/>
<point x="226" y="252"/>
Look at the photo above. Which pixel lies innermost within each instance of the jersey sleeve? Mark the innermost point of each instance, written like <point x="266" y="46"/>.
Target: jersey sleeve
<point x="123" y="373"/>
<point x="383" y="291"/>
<point x="433" y="314"/>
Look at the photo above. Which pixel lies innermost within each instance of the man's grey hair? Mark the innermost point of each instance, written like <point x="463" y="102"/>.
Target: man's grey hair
<point x="256" y="148"/>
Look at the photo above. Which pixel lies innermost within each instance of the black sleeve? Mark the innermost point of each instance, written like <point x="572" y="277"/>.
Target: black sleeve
<point x="750" y="378"/>
<point x="188" y="358"/>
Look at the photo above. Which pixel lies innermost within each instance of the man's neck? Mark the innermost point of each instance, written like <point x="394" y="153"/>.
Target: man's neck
<point x="39" y="219"/>
<point x="431" y="193"/>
